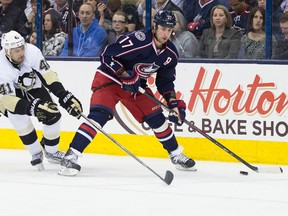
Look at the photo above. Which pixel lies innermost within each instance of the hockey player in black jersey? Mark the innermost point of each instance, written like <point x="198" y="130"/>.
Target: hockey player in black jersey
<point x="126" y="65"/>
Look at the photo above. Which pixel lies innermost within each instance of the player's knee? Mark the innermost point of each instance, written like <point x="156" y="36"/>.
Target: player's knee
<point x="100" y="116"/>
<point x="157" y="121"/>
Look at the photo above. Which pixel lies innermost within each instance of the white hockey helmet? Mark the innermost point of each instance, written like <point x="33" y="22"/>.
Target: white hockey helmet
<point x="12" y="39"/>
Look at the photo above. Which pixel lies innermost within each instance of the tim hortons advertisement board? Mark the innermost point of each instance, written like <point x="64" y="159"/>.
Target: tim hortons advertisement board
<point x="233" y="101"/>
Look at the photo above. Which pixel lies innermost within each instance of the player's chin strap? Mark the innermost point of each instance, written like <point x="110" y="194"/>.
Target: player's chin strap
<point x="275" y="169"/>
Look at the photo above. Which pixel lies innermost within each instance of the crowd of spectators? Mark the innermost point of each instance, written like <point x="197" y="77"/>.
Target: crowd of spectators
<point x="205" y="28"/>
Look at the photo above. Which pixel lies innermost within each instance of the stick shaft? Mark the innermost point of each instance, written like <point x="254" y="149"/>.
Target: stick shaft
<point x="254" y="168"/>
<point x="126" y="150"/>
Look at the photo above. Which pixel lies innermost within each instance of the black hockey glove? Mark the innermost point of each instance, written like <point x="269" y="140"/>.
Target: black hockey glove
<point x="132" y="83"/>
<point x="69" y="102"/>
<point x="177" y="114"/>
<point x="44" y="111"/>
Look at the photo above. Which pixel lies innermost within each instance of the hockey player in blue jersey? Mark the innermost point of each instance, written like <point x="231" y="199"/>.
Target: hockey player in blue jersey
<point x="129" y="62"/>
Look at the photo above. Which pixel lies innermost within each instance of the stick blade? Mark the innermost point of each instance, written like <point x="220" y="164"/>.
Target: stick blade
<point x="168" y="177"/>
<point x="273" y="170"/>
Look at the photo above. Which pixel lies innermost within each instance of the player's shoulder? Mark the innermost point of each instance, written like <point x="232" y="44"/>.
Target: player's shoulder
<point x="2" y="56"/>
<point x="32" y="48"/>
<point x="31" y="51"/>
<point x="140" y="36"/>
<point x="172" y="49"/>
<point x="6" y="68"/>
<point x="4" y="63"/>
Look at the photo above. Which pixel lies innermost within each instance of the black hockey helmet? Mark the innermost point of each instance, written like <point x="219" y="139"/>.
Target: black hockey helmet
<point x="165" y="18"/>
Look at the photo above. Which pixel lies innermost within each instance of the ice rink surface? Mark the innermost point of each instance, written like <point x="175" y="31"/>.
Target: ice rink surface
<point x="118" y="186"/>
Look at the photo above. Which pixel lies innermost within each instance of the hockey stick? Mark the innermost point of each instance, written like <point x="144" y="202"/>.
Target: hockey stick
<point x="254" y="168"/>
<point x="168" y="176"/>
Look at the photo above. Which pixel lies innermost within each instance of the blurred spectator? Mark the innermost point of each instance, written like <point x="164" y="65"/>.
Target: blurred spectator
<point x="262" y="3"/>
<point x="225" y="3"/>
<point x="76" y="6"/>
<point x="32" y="39"/>
<point x="101" y="11"/>
<point x="252" y="3"/>
<point x="153" y="13"/>
<point x="46" y="4"/>
<point x="20" y="4"/>
<point x="166" y="5"/>
<point x="12" y="18"/>
<point x="63" y="8"/>
<point x="185" y="42"/>
<point x="31" y="23"/>
<point x="107" y="11"/>
<point x="53" y="36"/>
<point x="220" y="41"/>
<point x="142" y="5"/>
<point x="98" y="6"/>
<point x="28" y="8"/>
<point x="276" y="14"/>
<point x="197" y="14"/>
<point x="119" y="23"/>
<point x="281" y="50"/>
<point x="284" y="5"/>
<point x="89" y="38"/>
<point x="253" y="43"/>
<point x="178" y="3"/>
<point x="240" y="13"/>
<point x="93" y="3"/>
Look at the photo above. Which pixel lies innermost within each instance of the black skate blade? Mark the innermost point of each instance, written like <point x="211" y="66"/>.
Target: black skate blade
<point x="168" y="177"/>
<point x="36" y="161"/>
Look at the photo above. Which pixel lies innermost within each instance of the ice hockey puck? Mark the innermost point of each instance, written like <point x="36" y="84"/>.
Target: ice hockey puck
<point x="243" y="173"/>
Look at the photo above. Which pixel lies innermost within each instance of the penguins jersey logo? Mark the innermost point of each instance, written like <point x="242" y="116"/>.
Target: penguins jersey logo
<point x="145" y="70"/>
<point x="27" y="81"/>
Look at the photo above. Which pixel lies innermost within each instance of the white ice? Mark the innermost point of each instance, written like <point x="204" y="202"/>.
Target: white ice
<point x="118" y="186"/>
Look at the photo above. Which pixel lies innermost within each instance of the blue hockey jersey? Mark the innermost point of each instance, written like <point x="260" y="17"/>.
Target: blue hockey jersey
<point x="138" y="50"/>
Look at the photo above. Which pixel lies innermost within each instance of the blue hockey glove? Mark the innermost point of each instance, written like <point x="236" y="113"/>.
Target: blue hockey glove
<point x="132" y="83"/>
<point x="177" y="114"/>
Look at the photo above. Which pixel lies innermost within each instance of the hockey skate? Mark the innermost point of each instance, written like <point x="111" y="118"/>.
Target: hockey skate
<point x="37" y="161"/>
<point x="181" y="161"/>
<point x="69" y="165"/>
<point x="55" y="158"/>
